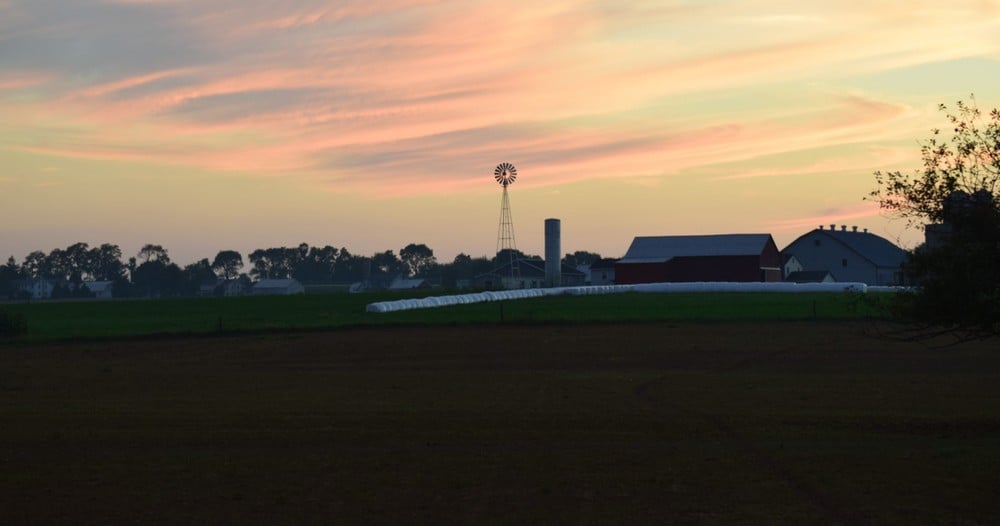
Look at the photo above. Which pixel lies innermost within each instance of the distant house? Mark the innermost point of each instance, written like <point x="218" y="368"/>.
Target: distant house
<point x="810" y="276"/>
<point x="602" y="271"/>
<point x="528" y="274"/>
<point x="102" y="290"/>
<point x="222" y="287"/>
<point x="724" y="257"/>
<point x="33" y="288"/>
<point x="409" y="284"/>
<point x="850" y="255"/>
<point x="277" y="287"/>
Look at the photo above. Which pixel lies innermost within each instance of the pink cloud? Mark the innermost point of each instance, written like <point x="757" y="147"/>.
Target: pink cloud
<point x="838" y="216"/>
<point x="21" y="80"/>
<point x="301" y="92"/>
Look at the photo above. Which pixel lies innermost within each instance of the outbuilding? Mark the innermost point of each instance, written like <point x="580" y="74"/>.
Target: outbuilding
<point x="527" y="274"/>
<point x="278" y="287"/>
<point x="724" y="257"/>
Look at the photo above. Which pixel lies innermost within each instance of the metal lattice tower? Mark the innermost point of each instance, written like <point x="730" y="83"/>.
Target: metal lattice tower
<point x="506" y="174"/>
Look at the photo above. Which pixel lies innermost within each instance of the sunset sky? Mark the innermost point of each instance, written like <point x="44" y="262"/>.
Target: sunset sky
<point x="204" y="125"/>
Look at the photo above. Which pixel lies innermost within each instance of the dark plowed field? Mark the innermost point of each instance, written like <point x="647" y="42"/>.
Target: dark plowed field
<point x="795" y="423"/>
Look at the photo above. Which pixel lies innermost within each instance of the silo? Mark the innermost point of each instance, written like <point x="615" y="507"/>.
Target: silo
<point x="553" y="253"/>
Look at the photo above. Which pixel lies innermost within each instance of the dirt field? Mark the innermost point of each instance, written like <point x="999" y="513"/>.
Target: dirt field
<point x="801" y="423"/>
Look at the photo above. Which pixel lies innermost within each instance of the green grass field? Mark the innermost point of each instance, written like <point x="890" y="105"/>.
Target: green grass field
<point x="51" y="321"/>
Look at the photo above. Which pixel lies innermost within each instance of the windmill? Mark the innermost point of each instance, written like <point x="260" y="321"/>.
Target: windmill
<point x="506" y="174"/>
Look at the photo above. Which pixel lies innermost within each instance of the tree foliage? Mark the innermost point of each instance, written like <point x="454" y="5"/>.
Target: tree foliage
<point x="227" y="264"/>
<point x="417" y="258"/>
<point x="967" y="160"/>
<point x="956" y="193"/>
<point x="580" y="257"/>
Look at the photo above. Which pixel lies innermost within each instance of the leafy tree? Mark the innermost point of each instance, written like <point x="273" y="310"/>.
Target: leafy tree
<point x="464" y="268"/>
<point x="227" y="264"/>
<point x="156" y="278"/>
<point x="194" y="275"/>
<point x="317" y="266"/>
<point x="56" y="266"/>
<point x="386" y="263"/>
<point x="273" y="263"/>
<point x="151" y="252"/>
<point x="77" y="262"/>
<point x="957" y="191"/>
<point x="105" y="263"/>
<point x="8" y="274"/>
<point x="417" y="258"/>
<point x="580" y="257"/>
<point x="351" y="267"/>
<point x="34" y="264"/>
<point x="967" y="161"/>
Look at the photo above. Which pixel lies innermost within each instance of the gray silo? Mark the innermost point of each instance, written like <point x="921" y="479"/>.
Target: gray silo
<point x="553" y="253"/>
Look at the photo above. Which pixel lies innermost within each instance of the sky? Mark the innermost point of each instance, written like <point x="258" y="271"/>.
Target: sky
<point x="204" y="125"/>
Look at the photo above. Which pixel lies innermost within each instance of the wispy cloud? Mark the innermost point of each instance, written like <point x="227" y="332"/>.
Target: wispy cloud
<point x="408" y="97"/>
<point x="832" y="216"/>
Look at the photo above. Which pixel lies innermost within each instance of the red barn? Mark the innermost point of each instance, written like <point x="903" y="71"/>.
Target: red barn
<point x="727" y="257"/>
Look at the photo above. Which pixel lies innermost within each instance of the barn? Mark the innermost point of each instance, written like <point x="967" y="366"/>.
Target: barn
<point x="724" y="257"/>
<point x="850" y="255"/>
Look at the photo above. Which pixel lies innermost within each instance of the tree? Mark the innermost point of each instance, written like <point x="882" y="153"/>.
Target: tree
<point x="464" y="268"/>
<point x="8" y="274"/>
<point x="150" y="252"/>
<point x="417" y="258"/>
<point x="194" y="275"/>
<point x="227" y="264"/>
<point x="156" y="279"/>
<point x="105" y="263"/>
<point x="34" y="264"/>
<point x="350" y="267"/>
<point x="77" y="262"/>
<point x="956" y="191"/>
<point x="580" y="257"/>
<point x="386" y="263"/>
<point x="317" y="266"/>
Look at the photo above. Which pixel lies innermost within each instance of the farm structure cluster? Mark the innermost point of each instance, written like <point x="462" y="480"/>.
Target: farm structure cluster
<point x="822" y="255"/>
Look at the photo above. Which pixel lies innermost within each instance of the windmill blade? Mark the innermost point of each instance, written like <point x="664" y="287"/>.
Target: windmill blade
<point x="505" y="173"/>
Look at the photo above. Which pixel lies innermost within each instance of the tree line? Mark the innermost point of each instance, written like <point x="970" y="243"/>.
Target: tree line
<point x="151" y="273"/>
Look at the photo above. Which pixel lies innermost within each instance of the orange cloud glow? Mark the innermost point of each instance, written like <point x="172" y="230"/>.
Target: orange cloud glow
<point x="362" y="99"/>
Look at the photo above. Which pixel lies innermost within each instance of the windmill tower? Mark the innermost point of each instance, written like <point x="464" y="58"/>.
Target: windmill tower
<point x="506" y="174"/>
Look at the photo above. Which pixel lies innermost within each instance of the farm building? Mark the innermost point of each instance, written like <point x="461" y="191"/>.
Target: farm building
<point x="101" y="290"/>
<point x="409" y="284"/>
<point x="222" y="287"/>
<point x="726" y="257"/>
<point x="850" y="255"/>
<point x="34" y="288"/>
<point x="277" y="287"/>
<point x="530" y="274"/>
<point x="602" y="272"/>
